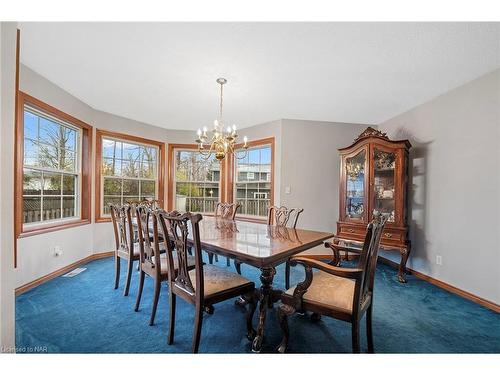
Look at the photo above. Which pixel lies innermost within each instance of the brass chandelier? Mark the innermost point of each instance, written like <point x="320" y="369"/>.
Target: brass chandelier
<point x="222" y="141"/>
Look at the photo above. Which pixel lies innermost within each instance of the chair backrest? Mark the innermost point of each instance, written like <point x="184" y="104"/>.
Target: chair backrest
<point x="175" y="226"/>
<point x="283" y="216"/>
<point x="369" y="253"/>
<point x="226" y="210"/>
<point x="149" y="251"/>
<point x="121" y="217"/>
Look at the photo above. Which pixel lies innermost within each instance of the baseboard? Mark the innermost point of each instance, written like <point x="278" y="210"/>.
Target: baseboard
<point x="441" y="284"/>
<point x="33" y="284"/>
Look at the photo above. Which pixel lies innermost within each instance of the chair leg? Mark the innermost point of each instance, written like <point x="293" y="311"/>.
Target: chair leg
<point x="130" y="265"/>
<point x="117" y="271"/>
<point x="284" y="311"/>
<point x="237" y="265"/>
<point x="172" y="302"/>
<point x="252" y="299"/>
<point x="155" y="300"/>
<point x="211" y="258"/>
<point x="369" y="329"/>
<point x="198" y="321"/>
<point x="355" y="336"/>
<point x="287" y="275"/>
<point x="139" y="292"/>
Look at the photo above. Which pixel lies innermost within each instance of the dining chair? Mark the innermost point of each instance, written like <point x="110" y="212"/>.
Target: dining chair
<point x="206" y="284"/>
<point x="149" y="263"/>
<point x="126" y="247"/>
<point x="224" y="211"/>
<point x="341" y="293"/>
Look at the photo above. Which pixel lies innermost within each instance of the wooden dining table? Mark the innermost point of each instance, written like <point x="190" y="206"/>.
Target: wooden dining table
<point x="259" y="245"/>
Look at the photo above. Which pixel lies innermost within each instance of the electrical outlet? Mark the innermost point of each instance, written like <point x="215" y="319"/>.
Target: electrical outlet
<point x="57" y="251"/>
<point x="439" y="260"/>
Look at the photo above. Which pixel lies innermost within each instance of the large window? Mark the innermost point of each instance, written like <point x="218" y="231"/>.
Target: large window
<point x="197" y="181"/>
<point x="52" y="168"/>
<point x="129" y="170"/>
<point x="253" y="180"/>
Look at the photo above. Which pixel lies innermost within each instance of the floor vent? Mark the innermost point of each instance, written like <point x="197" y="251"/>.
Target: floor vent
<point x="75" y="272"/>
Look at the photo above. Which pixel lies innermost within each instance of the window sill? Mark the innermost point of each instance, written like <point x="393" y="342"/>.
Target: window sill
<point x="103" y="219"/>
<point x="52" y="228"/>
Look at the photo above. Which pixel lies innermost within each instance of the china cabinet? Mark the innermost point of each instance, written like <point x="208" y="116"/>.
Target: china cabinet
<point x="374" y="176"/>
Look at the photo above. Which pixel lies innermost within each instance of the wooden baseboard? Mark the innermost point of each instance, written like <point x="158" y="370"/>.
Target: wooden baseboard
<point x="24" y="288"/>
<point x="441" y="284"/>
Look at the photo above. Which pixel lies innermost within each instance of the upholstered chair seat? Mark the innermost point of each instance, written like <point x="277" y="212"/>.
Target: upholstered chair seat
<point x="217" y="280"/>
<point x="164" y="263"/>
<point x="329" y="290"/>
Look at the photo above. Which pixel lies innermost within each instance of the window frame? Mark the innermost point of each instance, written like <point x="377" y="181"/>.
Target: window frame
<point x="122" y="137"/>
<point x="232" y="176"/>
<point x="85" y="160"/>
<point x="172" y="148"/>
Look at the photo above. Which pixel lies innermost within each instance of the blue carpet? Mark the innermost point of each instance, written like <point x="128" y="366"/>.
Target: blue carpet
<point x="85" y="314"/>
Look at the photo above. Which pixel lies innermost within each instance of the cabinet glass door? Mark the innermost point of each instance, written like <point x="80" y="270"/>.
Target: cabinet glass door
<point x="355" y="186"/>
<point x="384" y="177"/>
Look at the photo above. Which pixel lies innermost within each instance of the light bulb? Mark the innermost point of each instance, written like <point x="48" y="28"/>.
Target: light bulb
<point x="216" y="123"/>
<point x="229" y="129"/>
<point x="199" y="132"/>
<point x="234" y="127"/>
<point x="204" y="129"/>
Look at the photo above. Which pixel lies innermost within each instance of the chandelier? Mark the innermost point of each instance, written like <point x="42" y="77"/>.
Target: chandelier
<point x="222" y="141"/>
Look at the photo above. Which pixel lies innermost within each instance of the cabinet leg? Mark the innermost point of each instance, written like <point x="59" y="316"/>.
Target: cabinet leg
<point x="405" y="253"/>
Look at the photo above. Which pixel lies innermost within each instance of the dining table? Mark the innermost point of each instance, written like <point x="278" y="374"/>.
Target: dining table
<point x="259" y="245"/>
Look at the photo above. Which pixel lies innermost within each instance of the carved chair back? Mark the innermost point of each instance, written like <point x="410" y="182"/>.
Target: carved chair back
<point x="176" y="227"/>
<point x="368" y="257"/>
<point x="226" y="210"/>
<point x="149" y="250"/>
<point x="121" y="217"/>
<point x="283" y="216"/>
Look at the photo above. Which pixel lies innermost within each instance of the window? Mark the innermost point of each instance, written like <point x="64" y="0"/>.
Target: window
<point x="52" y="164"/>
<point x="129" y="169"/>
<point x="253" y="184"/>
<point x="196" y="181"/>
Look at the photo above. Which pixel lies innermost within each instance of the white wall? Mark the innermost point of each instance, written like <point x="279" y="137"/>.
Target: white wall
<point x="455" y="185"/>
<point x="7" y="110"/>
<point x="310" y="165"/>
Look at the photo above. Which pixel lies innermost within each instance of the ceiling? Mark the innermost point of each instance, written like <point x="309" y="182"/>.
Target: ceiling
<point x="164" y="73"/>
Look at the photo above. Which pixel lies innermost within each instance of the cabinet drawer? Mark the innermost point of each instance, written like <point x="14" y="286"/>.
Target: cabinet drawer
<point x="392" y="236"/>
<point x="351" y="231"/>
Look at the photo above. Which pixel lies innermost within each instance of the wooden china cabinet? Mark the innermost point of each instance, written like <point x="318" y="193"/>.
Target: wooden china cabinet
<point x="374" y="176"/>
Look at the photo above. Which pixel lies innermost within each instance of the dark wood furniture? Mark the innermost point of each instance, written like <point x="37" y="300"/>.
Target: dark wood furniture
<point x="150" y="264"/>
<point x="342" y="293"/>
<point x="225" y="211"/>
<point x="203" y="286"/>
<point x="374" y="176"/>
<point x="125" y="245"/>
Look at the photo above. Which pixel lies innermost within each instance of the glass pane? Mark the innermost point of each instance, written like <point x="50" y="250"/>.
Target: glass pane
<point x="31" y="209"/>
<point x="130" y="169"/>
<point x="51" y="133"/>
<point x="130" y="187"/>
<point x="182" y="161"/>
<point x="108" y="200"/>
<point x="69" y="185"/>
<point x="67" y="160"/>
<point x="52" y="183"/>
<point x="32" y="182"/>
<point x="30" y="153"/>
<point x="112" y="186"/>
<point x="30" y="125"/>
<point x="148" y="188"/>
<point x="111" y="167"/>
<point x="355" y="189"/>
<point x="48" y="156"/>
<point x="148" y="169"/>
<point x="384" y="168"/>
<point x="69" y="207"/>
<point x="131" y="152"/>
<point x="51" y="208"/>
<point x="111" y="149"/>
<point x="70" y="139"/>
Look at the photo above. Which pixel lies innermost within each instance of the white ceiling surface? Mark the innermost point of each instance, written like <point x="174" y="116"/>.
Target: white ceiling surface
<point x="164" y="73"/>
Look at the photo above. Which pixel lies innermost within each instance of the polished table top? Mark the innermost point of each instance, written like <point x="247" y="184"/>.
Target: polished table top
<point x="257" y="244"/>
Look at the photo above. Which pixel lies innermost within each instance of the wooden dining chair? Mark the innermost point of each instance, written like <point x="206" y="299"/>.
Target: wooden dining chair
<point x="126" y="247"/>
<point x="224" y="211"/>
<point x="203" y="286"/>
<point x="341" y="293"/>
<point x="151" y="245"/>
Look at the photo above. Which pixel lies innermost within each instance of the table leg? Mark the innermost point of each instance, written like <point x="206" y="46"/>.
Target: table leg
<point x="266" y="297"/>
